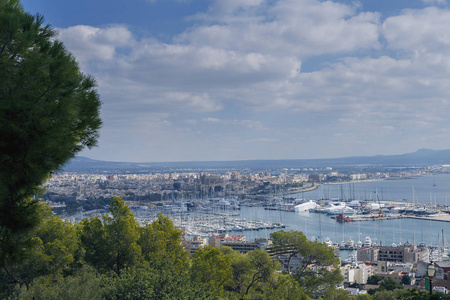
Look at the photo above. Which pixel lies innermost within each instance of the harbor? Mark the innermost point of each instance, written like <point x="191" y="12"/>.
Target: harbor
<point x="405" y="217"/>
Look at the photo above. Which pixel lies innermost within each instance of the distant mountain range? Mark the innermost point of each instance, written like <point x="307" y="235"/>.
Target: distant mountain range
<point x="422" y="157"/>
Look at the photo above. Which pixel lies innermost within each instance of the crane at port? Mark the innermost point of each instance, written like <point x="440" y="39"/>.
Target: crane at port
<point x="379" y="210"/>
<point x="341" y="218"/>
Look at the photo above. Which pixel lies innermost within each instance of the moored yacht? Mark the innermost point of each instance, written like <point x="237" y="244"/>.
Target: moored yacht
<point x="350" y="243"/>
<point x="359" y="244"/>
<point x="367" y="241"/>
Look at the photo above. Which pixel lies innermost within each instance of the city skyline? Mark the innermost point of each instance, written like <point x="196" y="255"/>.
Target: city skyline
<point x="202" y="80"/>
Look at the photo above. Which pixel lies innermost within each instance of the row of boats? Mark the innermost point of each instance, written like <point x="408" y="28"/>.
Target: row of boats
<point x="350" y="244"/>
<point x="359" y="207"/>
<point x="437" y="253"/>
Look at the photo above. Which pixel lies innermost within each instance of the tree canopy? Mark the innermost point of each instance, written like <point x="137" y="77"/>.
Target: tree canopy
<point x="114" y="257"/>
<point x="317" y="270"/>
<point x="49" y="111"/>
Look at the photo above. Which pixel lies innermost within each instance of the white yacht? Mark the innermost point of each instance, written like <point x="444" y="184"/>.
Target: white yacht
<point x="350" y="243"/>
<point x="367" y="241"/>
<point x="359" y="244"/>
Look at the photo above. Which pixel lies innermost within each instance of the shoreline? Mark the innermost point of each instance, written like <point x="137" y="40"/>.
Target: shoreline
<point x="303" y="190"/>
<point x="317" y="185"/>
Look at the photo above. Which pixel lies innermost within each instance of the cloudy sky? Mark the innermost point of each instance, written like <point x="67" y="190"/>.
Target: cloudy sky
<point x="185" y="80"/>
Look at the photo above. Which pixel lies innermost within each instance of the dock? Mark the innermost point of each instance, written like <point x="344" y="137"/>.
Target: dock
<point x="358" y="218"/>
<point x="438" y="218"/>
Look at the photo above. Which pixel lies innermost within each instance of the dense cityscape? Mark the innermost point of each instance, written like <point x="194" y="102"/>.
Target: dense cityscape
<point x="190" y="185"/>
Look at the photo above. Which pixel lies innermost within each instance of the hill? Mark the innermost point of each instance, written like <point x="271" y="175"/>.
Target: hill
<point x="420" y="158"/>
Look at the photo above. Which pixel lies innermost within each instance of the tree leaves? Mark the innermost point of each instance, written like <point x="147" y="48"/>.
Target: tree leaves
<point x="111" y="243"/>
<point x="49" y="111"/>
<point x="315" y="259"/>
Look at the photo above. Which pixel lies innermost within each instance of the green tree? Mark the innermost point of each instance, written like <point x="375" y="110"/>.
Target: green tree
<point x="240" y="264"/>
<point x="85" y="284"/>
<point x="289" y="243"/>
<point x="110" y="244"/>
<point x="210" y="269"/>
<point x="51" y="251"/>
<point x="374" y="279"/>
<point x="318" y="272"/>
<point x="262" y="267"/>
<point x="398" y="294"/>
<point x="49" y="111"/>
<point x="390" y="284"/>
<point x="161" y="280"/>
<point x="337" y="294"/>
<point x="406" y="280"/>
<point x="135" y="283"/>
<point x="254" y="276"/>
<point x="320" y="281"/>
<point x="283" y="286"/>
<point x="160" y="239"/>
<point x="387" y="284"/>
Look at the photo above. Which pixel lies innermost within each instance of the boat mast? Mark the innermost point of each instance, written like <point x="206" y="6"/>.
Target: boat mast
<point x="320" y="228"/>
<point x="414" y="222"/>
<point x="431" y="223"/>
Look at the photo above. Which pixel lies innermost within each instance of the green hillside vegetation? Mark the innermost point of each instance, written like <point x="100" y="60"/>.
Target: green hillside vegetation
<point x="113" y="257"/>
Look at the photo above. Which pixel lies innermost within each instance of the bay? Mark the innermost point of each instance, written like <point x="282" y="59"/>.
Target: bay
<point x="321" y="226"/>
<point x="422" y="189"/>
<point x="316" y="225"/>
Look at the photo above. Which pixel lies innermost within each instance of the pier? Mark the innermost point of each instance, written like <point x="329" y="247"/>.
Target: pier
<point x="356" y="218"/>
<point x="438" y="218"/>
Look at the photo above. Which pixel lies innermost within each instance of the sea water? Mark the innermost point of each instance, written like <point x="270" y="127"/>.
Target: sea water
<point x="319" y="226"/>
<point x="420" y="189"/>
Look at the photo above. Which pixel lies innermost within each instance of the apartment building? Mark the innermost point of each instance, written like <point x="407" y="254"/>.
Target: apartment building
<point x="406" y="253"/>
<point x="193" y="245"/>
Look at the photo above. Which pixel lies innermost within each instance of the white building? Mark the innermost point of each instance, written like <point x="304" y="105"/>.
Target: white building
<point x="356" y="273"/>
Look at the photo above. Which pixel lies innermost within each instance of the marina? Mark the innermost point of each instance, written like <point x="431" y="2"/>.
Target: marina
<point x="403" y="218"/>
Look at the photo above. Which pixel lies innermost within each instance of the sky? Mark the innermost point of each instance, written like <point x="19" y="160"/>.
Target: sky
<point x="197" y="80"/>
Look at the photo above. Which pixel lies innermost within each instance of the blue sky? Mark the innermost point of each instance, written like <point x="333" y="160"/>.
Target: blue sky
<point x="184" y="80"/>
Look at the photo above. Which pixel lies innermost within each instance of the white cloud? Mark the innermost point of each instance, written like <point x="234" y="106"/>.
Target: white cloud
<point x="263" y="140"/>
<point x="290" y="27"/>
<point x="88" y="43"/>
<point x="240" y="66"/>
<point x="199" y="102"/>
<point x="255" y="56"/>
<point x="418" y="31"/>
<point x="245" y="123"/>
<point x="212" y="120"/>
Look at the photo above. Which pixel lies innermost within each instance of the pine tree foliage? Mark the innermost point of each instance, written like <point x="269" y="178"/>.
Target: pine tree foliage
<point x="49" y="111"/>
